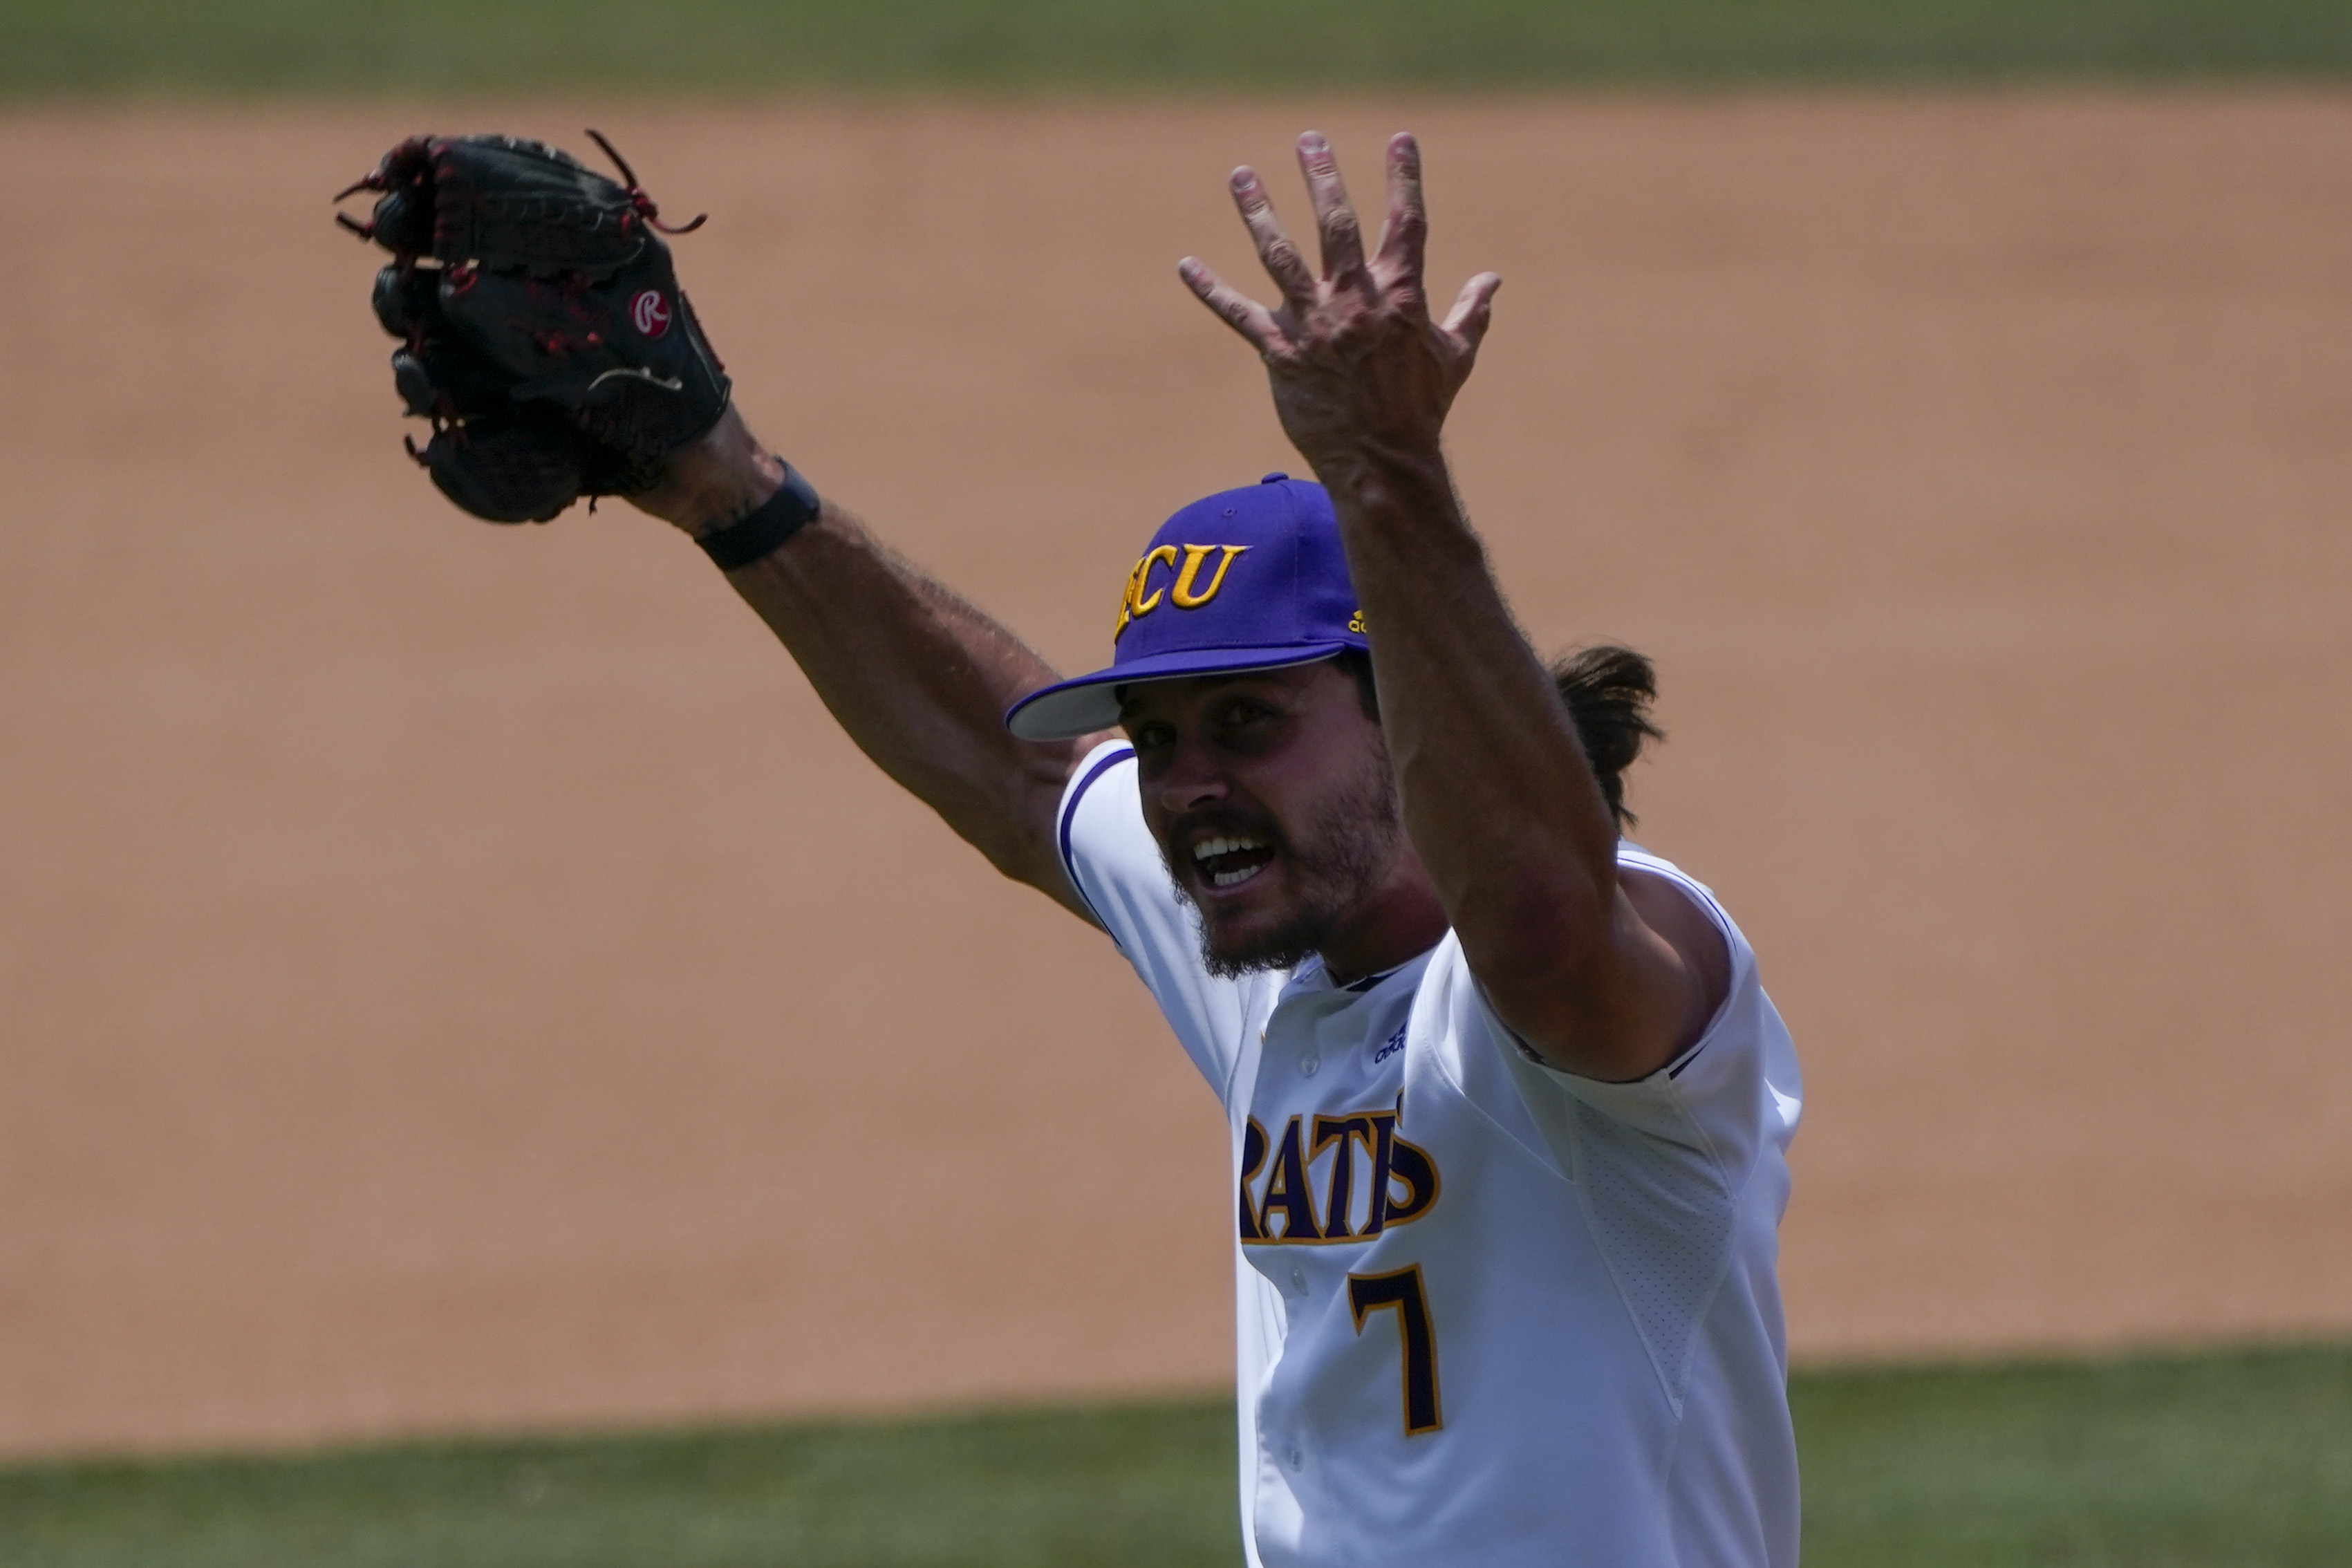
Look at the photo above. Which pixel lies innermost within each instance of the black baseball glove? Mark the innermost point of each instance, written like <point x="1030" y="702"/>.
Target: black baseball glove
<point x="543" y="330"/>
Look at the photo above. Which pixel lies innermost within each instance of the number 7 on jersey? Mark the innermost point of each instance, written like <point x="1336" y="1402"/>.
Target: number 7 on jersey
<point x="1369" y="1293"/>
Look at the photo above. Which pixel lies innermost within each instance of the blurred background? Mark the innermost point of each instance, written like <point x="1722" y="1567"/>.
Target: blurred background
<point x="491" y="1075"/>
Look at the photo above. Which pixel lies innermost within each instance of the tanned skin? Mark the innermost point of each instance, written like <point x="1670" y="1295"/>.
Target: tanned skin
<point x="1288" y="758"/>
<point x="1499" y="802"/>
<point x="1505" y="834"/>
<point x="917" y="675"/>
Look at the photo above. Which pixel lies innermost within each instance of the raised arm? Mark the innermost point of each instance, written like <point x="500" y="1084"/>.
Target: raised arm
<point x="1603" y="974"/>
<point x="919" y="676"/>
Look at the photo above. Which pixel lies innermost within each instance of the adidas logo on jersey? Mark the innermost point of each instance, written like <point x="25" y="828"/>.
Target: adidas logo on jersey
<point x="1395" y="1043"/>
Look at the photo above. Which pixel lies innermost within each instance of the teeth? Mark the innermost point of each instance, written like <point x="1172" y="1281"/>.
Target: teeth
<point x="1233" y="878"/>
<point x="1209" y="849"/>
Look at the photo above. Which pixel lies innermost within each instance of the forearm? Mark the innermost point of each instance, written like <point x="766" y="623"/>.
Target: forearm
<point x="1499" y="801"/>
<point x="919" y="677"/>
<point x="1499" y="796"/>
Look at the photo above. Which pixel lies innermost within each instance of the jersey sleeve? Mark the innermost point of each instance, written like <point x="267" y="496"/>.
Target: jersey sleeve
<point x="1732" y="1096"/>
<point x="1116" y="865"/>
<point x="1671" y="1168"/>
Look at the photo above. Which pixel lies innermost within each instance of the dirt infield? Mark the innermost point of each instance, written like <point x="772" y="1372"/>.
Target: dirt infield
<point x="455" y="977"/>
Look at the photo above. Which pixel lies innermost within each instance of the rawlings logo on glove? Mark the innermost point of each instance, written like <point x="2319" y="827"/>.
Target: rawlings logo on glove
<point x="650" y="314"/>
<point x="535" y="303"/>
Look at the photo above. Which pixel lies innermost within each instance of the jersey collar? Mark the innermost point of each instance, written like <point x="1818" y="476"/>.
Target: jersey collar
<point x="1312" y="976"/>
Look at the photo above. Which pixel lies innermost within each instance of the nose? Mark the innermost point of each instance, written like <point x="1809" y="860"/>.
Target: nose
<point x="1191" y="782"/>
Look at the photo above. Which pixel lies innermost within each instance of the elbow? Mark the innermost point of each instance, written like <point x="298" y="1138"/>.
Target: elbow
<point x="1017" y="834"/>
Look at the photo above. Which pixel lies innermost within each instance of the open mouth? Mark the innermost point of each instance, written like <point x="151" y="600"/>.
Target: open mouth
<point x="1228" y="862"/>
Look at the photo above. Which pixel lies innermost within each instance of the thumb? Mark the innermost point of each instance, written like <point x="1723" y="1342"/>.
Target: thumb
<point x="1473" y="310"/>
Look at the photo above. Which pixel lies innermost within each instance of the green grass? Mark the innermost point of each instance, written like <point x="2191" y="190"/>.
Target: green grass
<point x="1146" y="1487"/>
<point x="330" y="47"/>
<point x="2231" y="1461"/>
<point x="2239" y="1460"/>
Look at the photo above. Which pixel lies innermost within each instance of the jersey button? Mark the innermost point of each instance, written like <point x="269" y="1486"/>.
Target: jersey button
<point x="1309" y="1064"/>
<point x="1297" y="1279"/>
<point x="1297" y="1460"/>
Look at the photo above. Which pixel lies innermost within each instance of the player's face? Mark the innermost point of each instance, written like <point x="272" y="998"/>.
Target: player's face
<point x="1272" y="801"/>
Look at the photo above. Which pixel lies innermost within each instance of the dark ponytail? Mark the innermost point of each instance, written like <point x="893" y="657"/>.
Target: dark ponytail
<point x="1609" y="690"/>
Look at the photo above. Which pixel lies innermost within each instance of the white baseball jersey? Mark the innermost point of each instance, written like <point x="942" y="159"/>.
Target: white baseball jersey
<point x="1487" y="1312"/>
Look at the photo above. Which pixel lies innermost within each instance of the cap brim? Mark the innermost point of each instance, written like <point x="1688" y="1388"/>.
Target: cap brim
<point x="1069" y="709"/>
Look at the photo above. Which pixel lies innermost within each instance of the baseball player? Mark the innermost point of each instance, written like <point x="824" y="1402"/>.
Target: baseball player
<point x="1508" y="1106"/>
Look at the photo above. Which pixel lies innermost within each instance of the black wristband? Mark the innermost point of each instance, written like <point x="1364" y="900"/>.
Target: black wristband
<point x="759" y="535"/>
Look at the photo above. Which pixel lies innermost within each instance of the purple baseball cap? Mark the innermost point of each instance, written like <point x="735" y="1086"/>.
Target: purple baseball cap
<point x="1246" y="579"/>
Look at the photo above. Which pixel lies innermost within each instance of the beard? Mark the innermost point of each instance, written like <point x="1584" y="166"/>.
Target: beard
<point x="1343" y="851"/>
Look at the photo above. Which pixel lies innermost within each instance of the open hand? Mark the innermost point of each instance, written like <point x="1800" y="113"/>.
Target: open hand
<point x="1360" y="371"/>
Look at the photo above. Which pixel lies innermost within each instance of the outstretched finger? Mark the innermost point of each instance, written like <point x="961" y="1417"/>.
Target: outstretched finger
<point x="1406" y="232"/>
<point x="1243" y="314"/>
<point x="1335" y="220"/>
<point x="1275" y="246"/>
<point x="1473" y="310"/>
